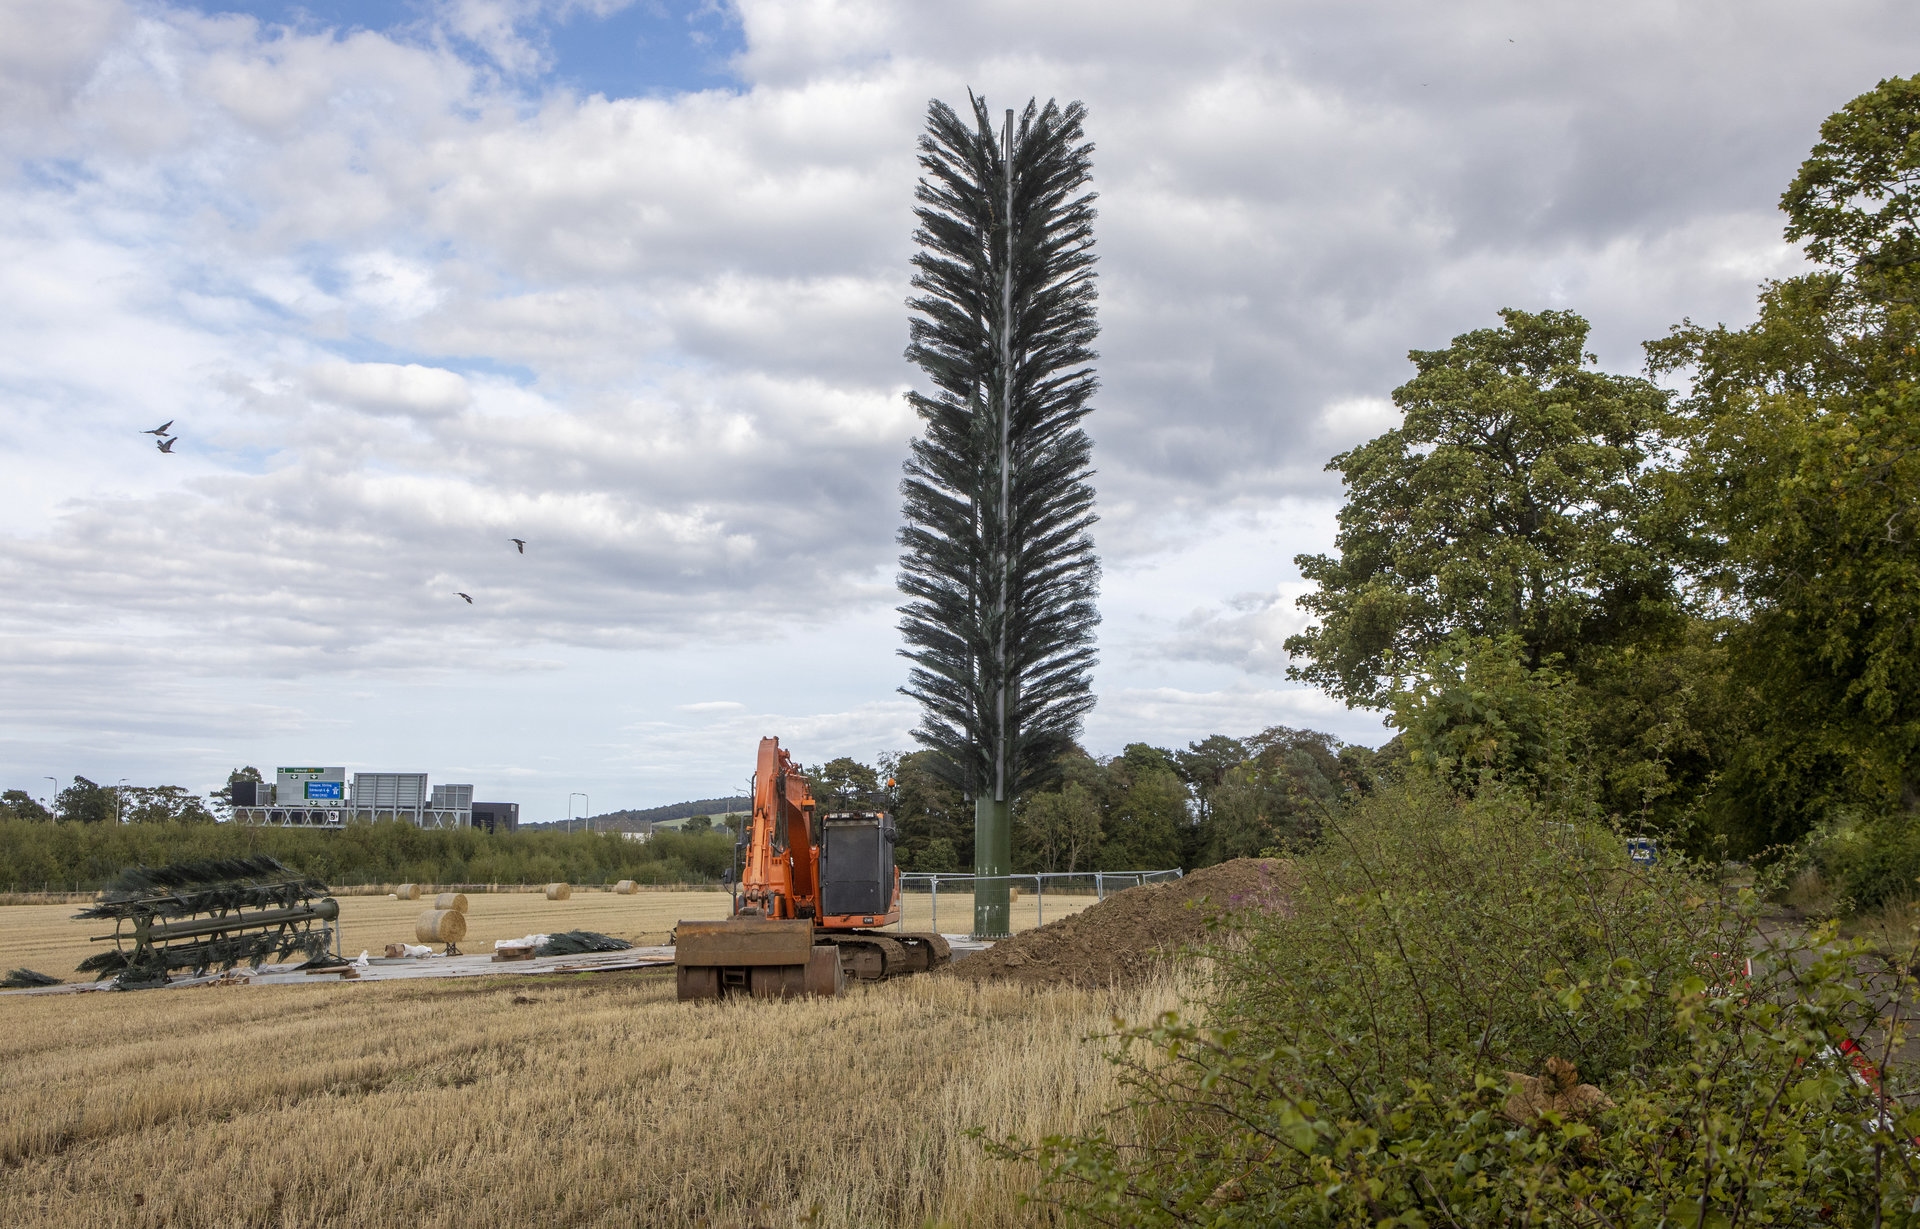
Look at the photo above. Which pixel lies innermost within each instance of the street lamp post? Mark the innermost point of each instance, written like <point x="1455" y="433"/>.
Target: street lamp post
<point x="54" y="796"/>
<point x="586" y="811"/>
<point x="119" y="814"/>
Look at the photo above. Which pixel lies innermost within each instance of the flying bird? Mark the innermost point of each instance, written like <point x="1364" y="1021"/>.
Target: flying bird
<point x="161" y="429"/>
<point x="166" y="446"/>
<point x="463" y="596"/>
<point x="519" y="542"/>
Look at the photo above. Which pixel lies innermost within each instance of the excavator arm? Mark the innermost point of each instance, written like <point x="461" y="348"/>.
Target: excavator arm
<point x="781" y="877"/>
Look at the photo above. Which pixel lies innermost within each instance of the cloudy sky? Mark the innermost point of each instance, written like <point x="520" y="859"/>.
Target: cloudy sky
<point x="625" y="279"/>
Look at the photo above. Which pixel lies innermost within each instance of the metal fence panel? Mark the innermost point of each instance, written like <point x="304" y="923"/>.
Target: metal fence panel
<point x="1071" y="891"/>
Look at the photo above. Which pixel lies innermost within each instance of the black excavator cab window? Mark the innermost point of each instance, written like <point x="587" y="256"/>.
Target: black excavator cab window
<point x="856" y="863"/>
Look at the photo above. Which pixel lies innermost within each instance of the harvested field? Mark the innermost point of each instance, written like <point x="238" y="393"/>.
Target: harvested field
<point x="1127" y="938"/>
<point x="46" y="938"/>
<point x="577" y="1101"/>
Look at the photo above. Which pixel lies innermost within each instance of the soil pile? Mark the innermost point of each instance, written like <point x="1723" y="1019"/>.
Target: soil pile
<point x="1120" y="940"/>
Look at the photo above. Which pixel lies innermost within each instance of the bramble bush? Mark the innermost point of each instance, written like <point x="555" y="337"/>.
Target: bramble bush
<point x="1369" y="1051"/>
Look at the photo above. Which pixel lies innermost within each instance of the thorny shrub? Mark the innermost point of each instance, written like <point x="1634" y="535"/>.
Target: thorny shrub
<point x="1365" y="1058"/>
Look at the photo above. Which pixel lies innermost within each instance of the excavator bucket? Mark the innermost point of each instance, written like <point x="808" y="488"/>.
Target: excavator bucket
<point x="763" y="957"/>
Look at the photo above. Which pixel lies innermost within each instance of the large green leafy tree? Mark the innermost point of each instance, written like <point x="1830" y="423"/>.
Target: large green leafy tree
<point x="222" y="798"/>
<point x="1511" y="501"/>
<point x="1149" y="819"/>
<point x="18" y="804"/>
<point x="930" y="815"/>
<point x="1274" y="798"/>
<point x="1522" y="519"/>
<point x="85" y="802"/>
<point x="1804" y="462"/>
<point x="1061" y="829"/>
<point x="998" y="567"/>
<point x="845" y="784"/>
<point x="160" y="804"/>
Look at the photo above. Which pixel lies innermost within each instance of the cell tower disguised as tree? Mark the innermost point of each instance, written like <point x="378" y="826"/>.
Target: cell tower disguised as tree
<point x="998" y="569"/>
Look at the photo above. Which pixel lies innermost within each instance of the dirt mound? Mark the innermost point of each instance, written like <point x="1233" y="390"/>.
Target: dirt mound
<point x="1121" y="939"/>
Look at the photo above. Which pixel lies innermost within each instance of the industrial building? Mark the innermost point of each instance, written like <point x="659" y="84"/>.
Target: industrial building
<point x="321" y="798"/>
<point x="496" y="816"/>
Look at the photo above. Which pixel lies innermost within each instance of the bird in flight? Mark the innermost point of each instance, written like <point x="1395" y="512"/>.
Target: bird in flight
<point x="161" y="429"/>
<point x="166" y="446"/>
<point x="464" y="597"/>
<point x="519" y="542"/>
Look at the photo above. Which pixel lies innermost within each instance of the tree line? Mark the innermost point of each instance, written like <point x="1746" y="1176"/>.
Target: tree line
<point x="38" y="856"/>
<point x="1148" y="808"/>
<point x="88" y="802"/>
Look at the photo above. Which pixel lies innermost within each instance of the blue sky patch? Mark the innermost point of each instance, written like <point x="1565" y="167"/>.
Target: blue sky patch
<point x="646" y="47"/>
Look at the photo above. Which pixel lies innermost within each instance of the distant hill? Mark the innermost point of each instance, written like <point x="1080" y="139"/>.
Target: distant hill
<point x="637" y="821"/>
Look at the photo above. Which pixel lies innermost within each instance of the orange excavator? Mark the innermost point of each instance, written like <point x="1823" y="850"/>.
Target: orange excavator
<point x="814" y="893"/>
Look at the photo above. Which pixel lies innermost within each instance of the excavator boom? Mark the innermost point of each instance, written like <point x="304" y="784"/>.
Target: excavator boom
<point x="781" y="879"/>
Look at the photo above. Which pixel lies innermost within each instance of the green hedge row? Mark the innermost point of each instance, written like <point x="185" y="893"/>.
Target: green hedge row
<point x="36" y="857"/>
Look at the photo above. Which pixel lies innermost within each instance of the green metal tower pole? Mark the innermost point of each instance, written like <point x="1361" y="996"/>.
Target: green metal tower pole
<point x="992" y="862"/>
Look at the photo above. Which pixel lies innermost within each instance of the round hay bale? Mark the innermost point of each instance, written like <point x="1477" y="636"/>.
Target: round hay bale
<point x="441" y="926"/>
<point x="559" y="891"/>
<point x="456" y="901"/>
<point x="626" y="887"/>
<point x="408" y="891"/>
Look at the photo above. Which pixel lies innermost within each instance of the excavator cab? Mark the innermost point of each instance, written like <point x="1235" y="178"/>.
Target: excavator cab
<point x="856" y="868"/>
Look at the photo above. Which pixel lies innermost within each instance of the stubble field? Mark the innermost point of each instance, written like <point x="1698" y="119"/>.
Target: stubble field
<point x="533" y="1100"/>
<point x="45" y="938"/>
<point x="575" y="1100"/>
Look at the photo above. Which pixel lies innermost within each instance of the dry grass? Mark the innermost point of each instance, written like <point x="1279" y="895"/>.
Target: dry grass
<point x="44" y="937"/>
<point x="1890" y="928"/>
<point x="1809" y="895"/>
<point x="577" y="1101"/>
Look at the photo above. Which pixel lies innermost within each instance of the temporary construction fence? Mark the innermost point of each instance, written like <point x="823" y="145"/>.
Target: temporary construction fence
<point x="1063" y="884"/>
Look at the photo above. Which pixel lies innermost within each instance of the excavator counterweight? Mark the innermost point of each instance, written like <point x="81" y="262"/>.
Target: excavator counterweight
<point x="814" y="894"/>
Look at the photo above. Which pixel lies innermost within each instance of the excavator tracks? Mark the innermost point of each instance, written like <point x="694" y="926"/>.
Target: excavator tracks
<point x="768" y="958"/>
<point x="874" y="955"/>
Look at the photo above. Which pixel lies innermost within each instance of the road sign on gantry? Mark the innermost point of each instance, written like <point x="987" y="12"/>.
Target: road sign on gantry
<point x="293" y="786"/>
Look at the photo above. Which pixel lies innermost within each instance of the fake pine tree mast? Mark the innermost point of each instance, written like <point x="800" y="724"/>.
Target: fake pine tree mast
<point x="997" y="563"/>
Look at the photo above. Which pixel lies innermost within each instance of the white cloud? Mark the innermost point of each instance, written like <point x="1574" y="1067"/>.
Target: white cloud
<point x="1177" y="716"/>
<point x="393" y="285"/>
<point x="1247" y="631"/>
<point x="390" y="388"/>
<point x="1357" y="419"/>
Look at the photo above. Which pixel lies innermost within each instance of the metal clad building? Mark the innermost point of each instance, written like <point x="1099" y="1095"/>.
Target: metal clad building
<point x="389" y="791"/>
